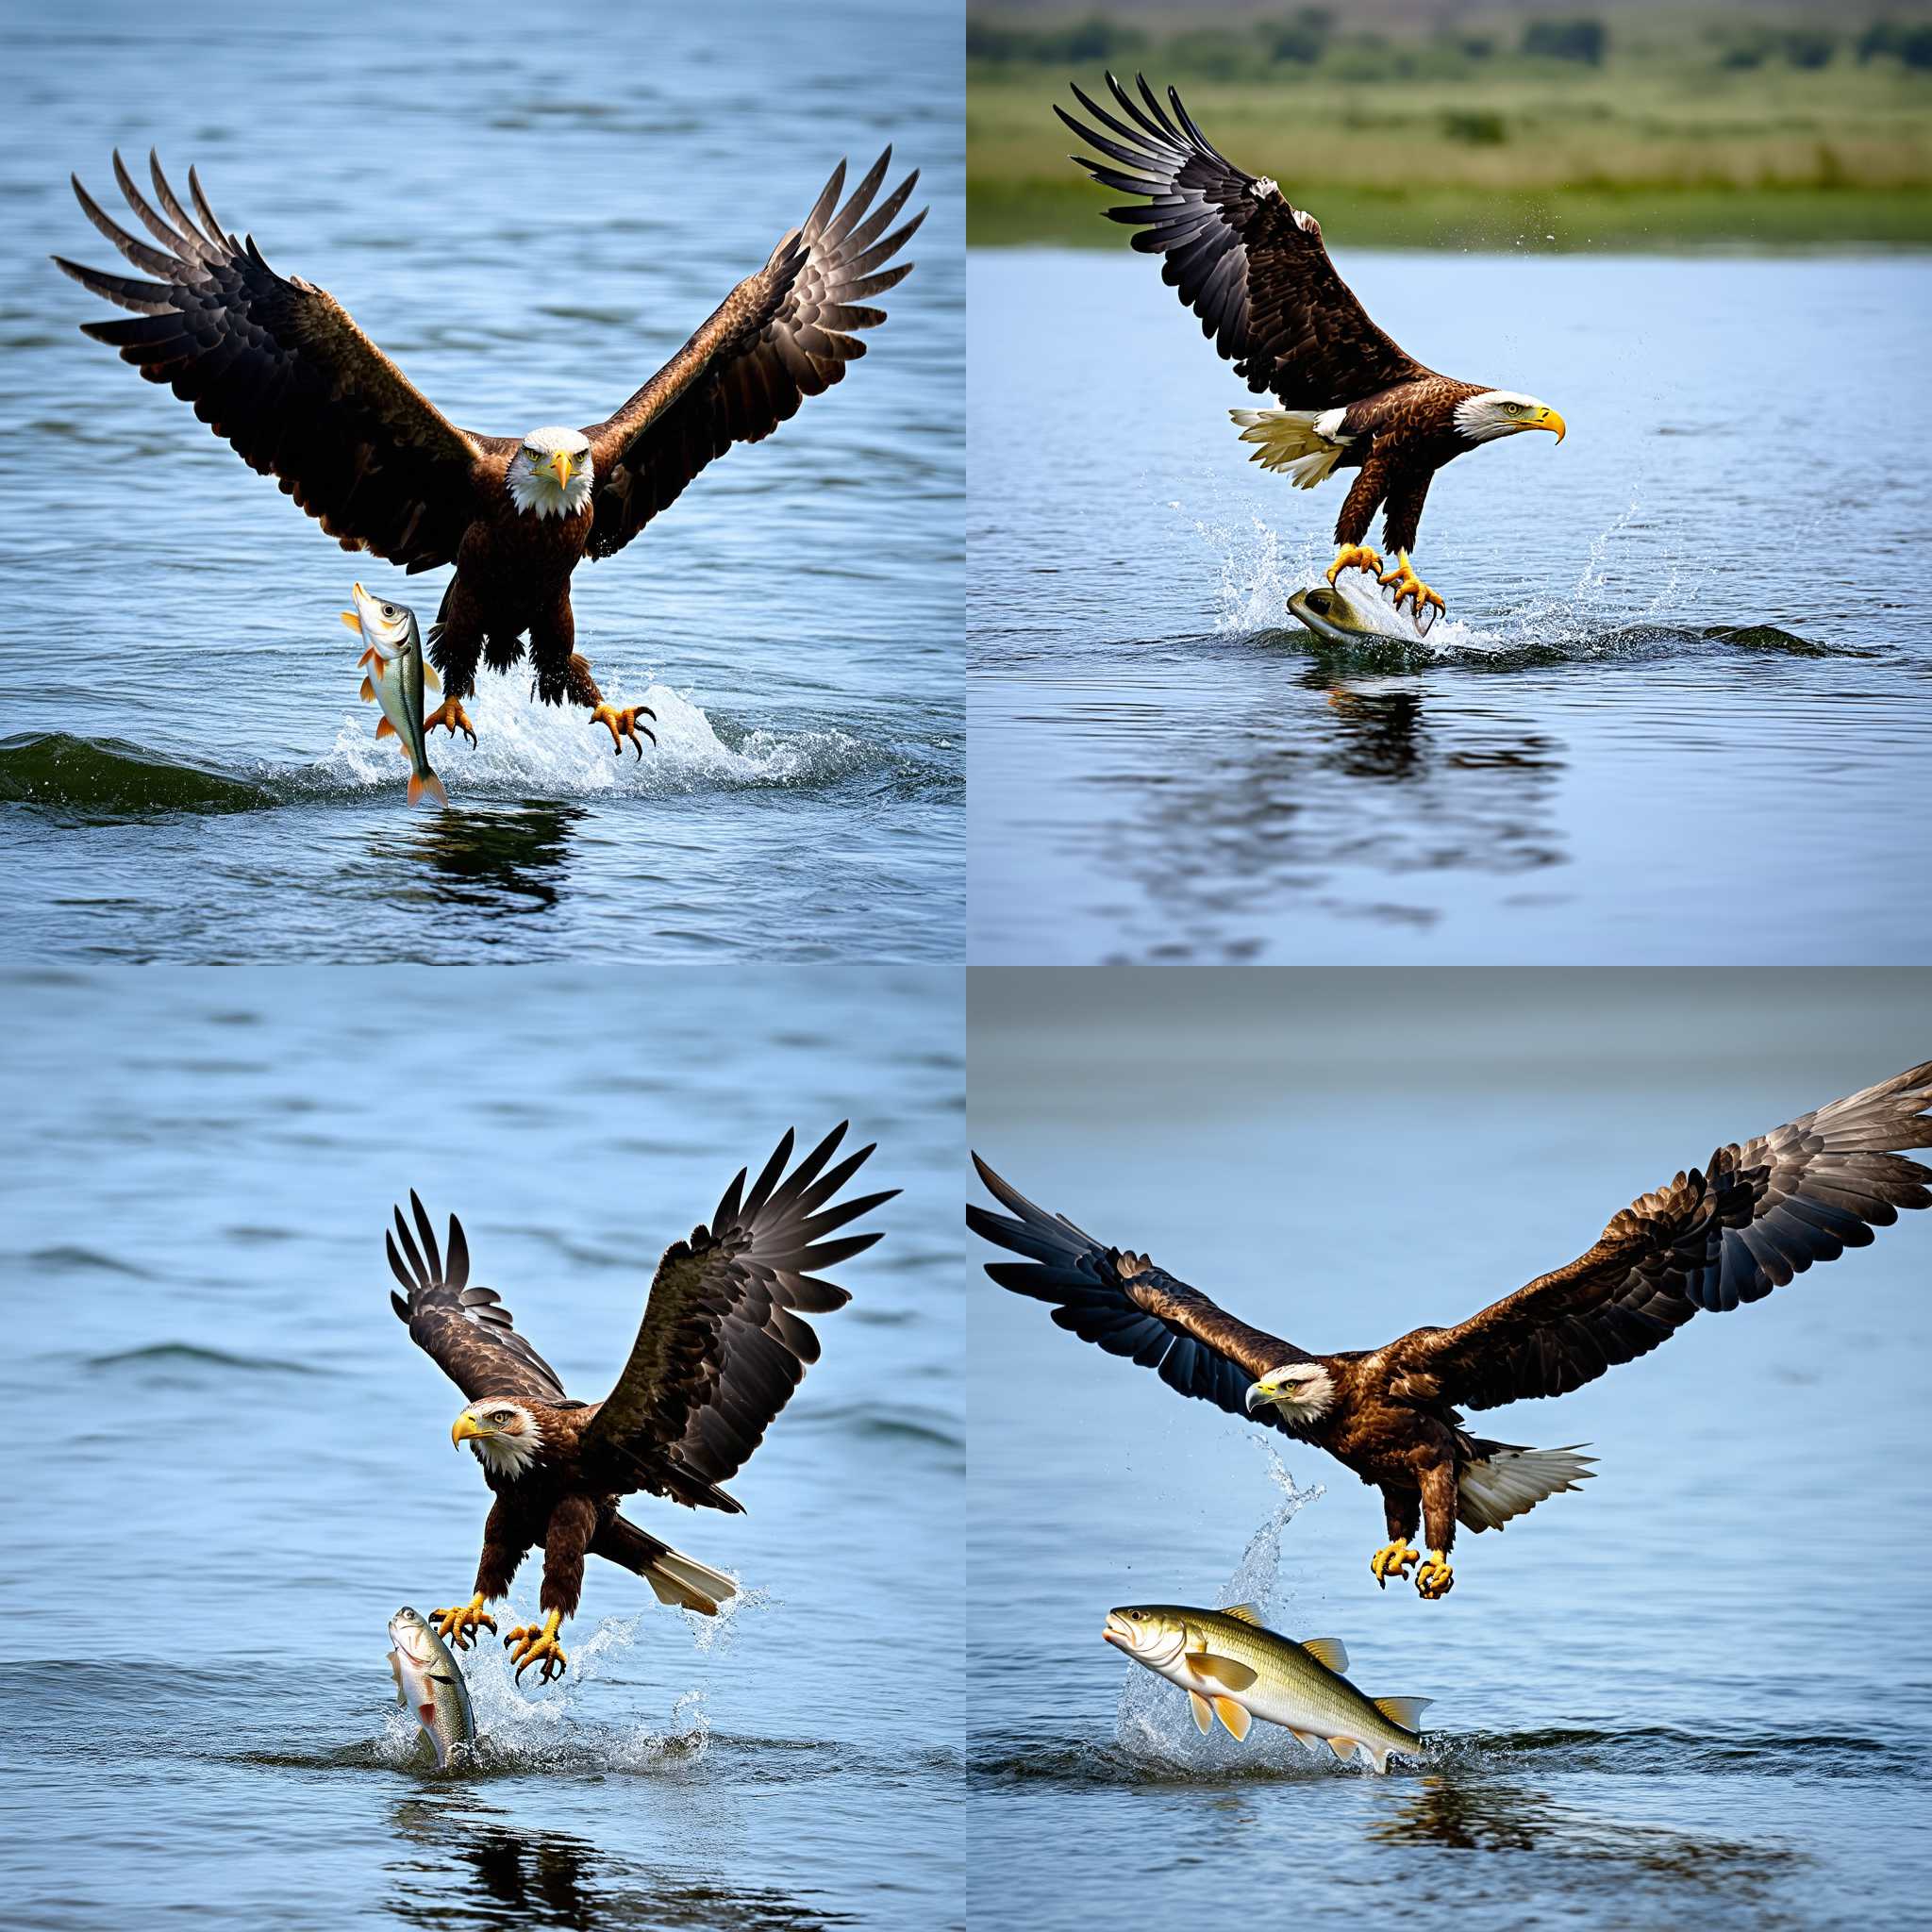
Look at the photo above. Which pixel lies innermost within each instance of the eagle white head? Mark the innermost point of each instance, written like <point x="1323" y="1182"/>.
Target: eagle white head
<point x="550" y="475"/>
<point x="1504" y="412"/>
<point x="1300" y="1392"/>
<point x="505" y="1435"/>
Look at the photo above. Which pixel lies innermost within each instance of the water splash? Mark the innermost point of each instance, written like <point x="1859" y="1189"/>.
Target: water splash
<point x="1260" y="569"/>
<point x="549" y="1727"/>
<point x="525" y="748"/>
<point x="1154" y="1725"/>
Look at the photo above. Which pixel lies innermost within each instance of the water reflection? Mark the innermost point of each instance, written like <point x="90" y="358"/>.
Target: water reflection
<point x="482" y="1870"/>
<point x="1478" y="1815"/>
<point x="1332" y="806"/>
<point x="510" y="859"/>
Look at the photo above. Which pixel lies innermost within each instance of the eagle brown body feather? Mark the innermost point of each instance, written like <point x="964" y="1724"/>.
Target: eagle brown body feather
<point x="1254" y="269"/>
<point x="1757" y="1215"/>
<point x="278" y="367"/>
<point x="721" y="1345"/>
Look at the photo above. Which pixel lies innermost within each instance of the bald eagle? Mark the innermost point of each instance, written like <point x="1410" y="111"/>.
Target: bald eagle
<point x="722" y="1346"/>
<point x="1252" y="266"/>
<point x="1755" y="1216"/>
<point x="276" y="366"/>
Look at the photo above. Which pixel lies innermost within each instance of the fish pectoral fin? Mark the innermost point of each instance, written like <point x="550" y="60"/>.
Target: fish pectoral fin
<point x="1248" y="1613"/>
<point x="368" y="692"/>
<point x="384" y="728"/>
<point x="1328" y="1651"/>
<point x="1234" y="1716"/>
<point x="429" y="677"/>
<point x="1223" y="1670"/>
<point x="354" y="622"/>
<point x="1406" y="1711"/>
<point x="1204" y="1712"/>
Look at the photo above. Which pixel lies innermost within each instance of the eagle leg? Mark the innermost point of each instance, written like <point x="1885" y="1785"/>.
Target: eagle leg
<point x="621" y="720"/>
<point x="530" y="1645"/>
<point x="1354" y="556"/>
<point x="1435" y="1578"/>
<point x="1392" y="1559"/>
<point x="1408" y="585"/>
<point x="452" y="717"/>
<point x="458" y="1626"/>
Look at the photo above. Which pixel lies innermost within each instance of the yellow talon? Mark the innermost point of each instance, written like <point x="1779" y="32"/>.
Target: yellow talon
<point x="1354" y="556"/>
<point x="530" y="1645"/>
<point x="452" y="717"/>
<point x="1408" y="585"/>
<point x="1392" y="1559"/>
<point x="622" y="722"/>
<point x="1435" y="1578"/>
<point x="458" y="1626"/>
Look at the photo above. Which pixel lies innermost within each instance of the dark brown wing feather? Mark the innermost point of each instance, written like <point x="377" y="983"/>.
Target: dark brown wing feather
<point x="721" y="1345"/>
<point x="1757" y="1215"/>
<point x="1249" y="265"/>
<point x="467" y="1331"/>
<point x="781" y="335"/>
<point x="1125" y="1305"/>
<point x="278" y="367"/>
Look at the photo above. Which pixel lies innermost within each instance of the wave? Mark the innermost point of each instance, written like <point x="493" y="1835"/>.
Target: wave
<point x="162" y="1355"/>
<point x="525" y="750"/>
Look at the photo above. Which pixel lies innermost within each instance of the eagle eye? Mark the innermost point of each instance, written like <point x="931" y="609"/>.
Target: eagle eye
<point x="1512" y="409"/>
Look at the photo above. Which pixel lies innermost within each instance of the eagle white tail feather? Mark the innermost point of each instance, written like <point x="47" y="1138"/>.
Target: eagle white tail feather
<point x="676" y="1579"/>
<point x="1296" y="440"/>
<point x="1509" y="1482"/>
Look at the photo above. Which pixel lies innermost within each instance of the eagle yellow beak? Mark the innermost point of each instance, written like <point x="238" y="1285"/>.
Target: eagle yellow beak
<point x="467" y="1425"/>
<point x="1548" y="419"/>
<point x="562" y="469"/>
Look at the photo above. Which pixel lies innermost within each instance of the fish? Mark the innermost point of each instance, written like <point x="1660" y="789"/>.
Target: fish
<point x="397" y="672"/>
<point x="1233" y="1669"/>
<point x="1353" y="609"/>
<point x="429" y="1682"/>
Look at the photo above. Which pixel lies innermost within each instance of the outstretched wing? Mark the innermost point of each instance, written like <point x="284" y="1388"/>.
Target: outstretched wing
<point x="721" y="1345"/>
<point x="1249" y="265"/>
<point x="1760" y="1214"/>
<point x="278" y="367"/>
<point x="467" y="1331"/>
<point x="1127" y="1305"/>
<point x="781" y="335"/>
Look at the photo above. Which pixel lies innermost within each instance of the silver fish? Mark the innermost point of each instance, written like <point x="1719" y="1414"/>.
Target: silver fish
<point x="1355" y="610"/>
<point x="1233" y="1669"/>
<point x="429" y="1683"/>
<point x="397" y="672"/>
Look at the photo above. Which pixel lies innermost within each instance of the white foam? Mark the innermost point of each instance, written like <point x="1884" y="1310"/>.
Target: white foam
<point x="527" y="748"/>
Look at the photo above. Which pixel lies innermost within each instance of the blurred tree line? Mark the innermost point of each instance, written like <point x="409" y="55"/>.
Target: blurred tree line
<point x="1311" y="38"/>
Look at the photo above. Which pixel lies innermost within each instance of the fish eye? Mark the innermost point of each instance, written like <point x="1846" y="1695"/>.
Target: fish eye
<point x="391" y="611"/>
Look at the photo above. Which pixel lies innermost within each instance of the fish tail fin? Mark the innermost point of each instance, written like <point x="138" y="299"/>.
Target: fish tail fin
<point x="420" y="782"/>
<point x="1504" y="1481"/>
<point x="675" y="1578"/>
<point x="384" y="728"/>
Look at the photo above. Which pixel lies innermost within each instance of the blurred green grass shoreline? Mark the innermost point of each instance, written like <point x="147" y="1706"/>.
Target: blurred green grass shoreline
<point x="1668" y="138"/>
<point x="1036" y="213"/>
